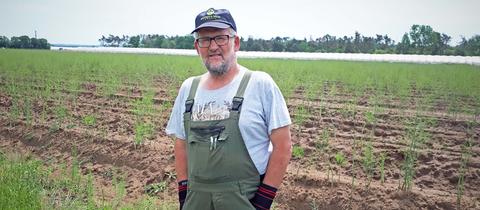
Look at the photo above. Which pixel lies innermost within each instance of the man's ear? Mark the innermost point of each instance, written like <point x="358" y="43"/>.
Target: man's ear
<point x="195" y="44"/>
<point x="237" y="43"/>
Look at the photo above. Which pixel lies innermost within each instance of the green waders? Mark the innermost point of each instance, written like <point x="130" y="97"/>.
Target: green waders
<point x="221" y="174"/>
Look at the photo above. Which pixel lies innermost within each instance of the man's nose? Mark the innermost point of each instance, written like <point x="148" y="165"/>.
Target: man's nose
<point x="213" y="45"/>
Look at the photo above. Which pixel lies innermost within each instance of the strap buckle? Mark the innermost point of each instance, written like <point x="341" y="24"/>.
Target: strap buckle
<point x="237" y="103"/>
<point x="188" y="105"/>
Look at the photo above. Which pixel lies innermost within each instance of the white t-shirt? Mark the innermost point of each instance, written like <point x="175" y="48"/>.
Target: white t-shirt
<point x="263" y="110"/>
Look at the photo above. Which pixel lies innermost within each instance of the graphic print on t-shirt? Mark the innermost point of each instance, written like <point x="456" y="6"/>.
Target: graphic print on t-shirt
<point x="211" y="111"/>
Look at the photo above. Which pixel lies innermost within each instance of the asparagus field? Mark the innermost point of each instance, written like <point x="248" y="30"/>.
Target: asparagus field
<point x="366" y="135"/>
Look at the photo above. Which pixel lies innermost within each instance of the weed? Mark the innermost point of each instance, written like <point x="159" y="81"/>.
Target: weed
<point x="171" y="175"/>
<point x="153" y="189"/>
<point x="54" y="127"/>
<point x="89" y="120"/>
<point x="314" y="205"/>
<point x="298" y="152"/>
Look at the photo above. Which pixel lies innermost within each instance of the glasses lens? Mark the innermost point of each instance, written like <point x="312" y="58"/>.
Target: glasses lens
<point x="204" y="42"/>
<point x="221" y="40"/>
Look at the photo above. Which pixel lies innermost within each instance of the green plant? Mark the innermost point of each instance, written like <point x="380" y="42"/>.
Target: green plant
<point x="370" y="117"/>
<point x="120" y="189"/>
<point x="313" y="205"/>
<point x="322" y="143"/>
<point x="329" y="171"/>
<point x="20" y="183"/>
<point x="416" y="136"/>
<point x="75" y="175"/>
<point x="171" y="175"/>
<point x="14" y="111"/>
<point x="464" y="160"/>
<point x="61" y="113"/>
<point x="298" y="152"/>
<point x="142" y="131"/>
<point x="349" y="110"/>
<point x="90" y="192"/>
<point x="381" y="165"/>
<point x="27" y="111"/>
<point x="368" y="162"/>
<point x="301" y="115"/>
<point x="154" y="188"/>
<point x="54" y="127"/>
<point x="89" y="120"/>
<point x="340" y="161"/>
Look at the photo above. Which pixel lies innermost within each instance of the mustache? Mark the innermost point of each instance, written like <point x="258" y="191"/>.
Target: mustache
<point x="216" y="52"/>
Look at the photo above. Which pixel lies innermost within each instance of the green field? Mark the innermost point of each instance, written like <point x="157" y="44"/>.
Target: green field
<point x="61" y="106"/>
<point x="49" y="67"/>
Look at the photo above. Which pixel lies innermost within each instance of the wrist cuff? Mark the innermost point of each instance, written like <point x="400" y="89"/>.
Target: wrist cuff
<point x="264" y="197"/>
<point x="182" y="191"/>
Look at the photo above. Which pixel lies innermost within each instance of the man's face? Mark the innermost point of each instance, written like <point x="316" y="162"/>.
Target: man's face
<point x="220" y="55"/>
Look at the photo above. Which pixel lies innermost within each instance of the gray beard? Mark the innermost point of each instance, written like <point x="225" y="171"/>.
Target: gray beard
<point x="217" y="70"/>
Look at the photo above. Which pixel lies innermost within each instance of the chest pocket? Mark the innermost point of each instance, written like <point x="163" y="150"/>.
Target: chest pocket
<point x="206" y="134"/>
<point x="207" y="147"/>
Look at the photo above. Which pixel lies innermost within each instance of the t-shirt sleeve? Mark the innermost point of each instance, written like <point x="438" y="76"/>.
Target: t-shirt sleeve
<point x="276" y="111"/>
<point x="175" y="123"/>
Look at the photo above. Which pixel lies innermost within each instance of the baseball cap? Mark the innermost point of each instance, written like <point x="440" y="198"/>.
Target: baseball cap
<point x="216" y="18"/>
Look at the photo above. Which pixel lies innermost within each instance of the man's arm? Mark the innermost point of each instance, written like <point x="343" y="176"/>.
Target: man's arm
<point x="180" y="151"/>
<point x="281" y="154"/>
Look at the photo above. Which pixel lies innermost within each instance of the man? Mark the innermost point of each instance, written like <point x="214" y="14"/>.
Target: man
<point x="224" y="121"/>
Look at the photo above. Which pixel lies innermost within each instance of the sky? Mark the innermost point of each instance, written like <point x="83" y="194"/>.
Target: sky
<point x="85" y="21"/>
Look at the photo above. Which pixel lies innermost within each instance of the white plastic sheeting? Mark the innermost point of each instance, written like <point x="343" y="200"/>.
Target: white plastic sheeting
<point x="472" y="60"/>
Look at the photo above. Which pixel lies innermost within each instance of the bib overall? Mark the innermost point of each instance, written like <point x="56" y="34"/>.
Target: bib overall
<point x="221" y="174"/>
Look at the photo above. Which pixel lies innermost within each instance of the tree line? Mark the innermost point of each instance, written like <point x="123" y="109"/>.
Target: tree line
<point x="421" y="39"/>
<point x="24" y="42"/>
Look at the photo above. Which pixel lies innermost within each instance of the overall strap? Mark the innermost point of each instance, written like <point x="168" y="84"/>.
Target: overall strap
<point x="191" y="95"/>
<point x="238" y="99"/>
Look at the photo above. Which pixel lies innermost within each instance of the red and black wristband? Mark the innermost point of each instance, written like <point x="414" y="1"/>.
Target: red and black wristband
<point x="182" y="192"/>
<point x="264" y="197"/>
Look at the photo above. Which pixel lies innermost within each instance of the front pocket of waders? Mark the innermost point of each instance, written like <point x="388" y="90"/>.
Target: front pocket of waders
<point x="207" y="156"/>
<point x="207" y="130"/>
<point x="207" y="134"/>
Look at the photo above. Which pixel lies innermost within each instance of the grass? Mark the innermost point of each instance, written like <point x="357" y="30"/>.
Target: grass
<point x="143" y="131"/>
<point x="298" y="152"/>
<point x="26" y="183"/>
<point x="20" y="183"/>
<point x="89" y="120"/>
<point x="301" y="115"/>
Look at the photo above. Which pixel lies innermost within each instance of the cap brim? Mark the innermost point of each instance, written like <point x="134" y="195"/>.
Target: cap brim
<point x="212" y="24"/>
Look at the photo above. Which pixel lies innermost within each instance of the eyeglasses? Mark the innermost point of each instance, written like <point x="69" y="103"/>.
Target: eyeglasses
<point x="220" y="40"/>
